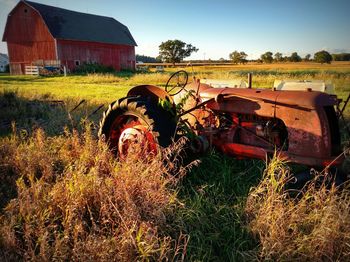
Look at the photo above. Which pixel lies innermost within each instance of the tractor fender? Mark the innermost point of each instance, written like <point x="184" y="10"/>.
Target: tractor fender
<point x="153" y="93"/>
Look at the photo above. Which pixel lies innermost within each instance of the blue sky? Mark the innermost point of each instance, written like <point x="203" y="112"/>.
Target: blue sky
<point x="220" y="27"/>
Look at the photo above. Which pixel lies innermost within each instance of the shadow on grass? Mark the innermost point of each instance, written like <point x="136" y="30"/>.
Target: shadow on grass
<point x="18" y="78"/>
<point x="214" y="195"/>
<point x="23" y="116"/>
<point x="8" y="187"/>
<point x="50" y="115"/>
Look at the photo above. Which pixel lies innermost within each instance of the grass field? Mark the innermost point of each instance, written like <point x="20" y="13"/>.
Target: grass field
<point x="97" y="88"/>
<point x="72" y="200"/>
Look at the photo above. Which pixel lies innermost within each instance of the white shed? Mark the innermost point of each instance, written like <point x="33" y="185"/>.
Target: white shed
<point x="4" y="61"/>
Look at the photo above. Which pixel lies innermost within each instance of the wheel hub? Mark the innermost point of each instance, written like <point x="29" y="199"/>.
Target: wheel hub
<point x="136" y="136"/>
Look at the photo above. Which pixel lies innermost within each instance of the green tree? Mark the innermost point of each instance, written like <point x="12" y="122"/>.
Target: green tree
<point x="278" y="57"/>
<point x="307" y="57"/>
<point x="174" y="51"/>
<point x="341" y="57"/>
<point x="295" y="57"/>
<point x="146" y="59"/>
<point x="323" y="57"/>
<point x="238" y="57"/>
<point x="267" y="57"/>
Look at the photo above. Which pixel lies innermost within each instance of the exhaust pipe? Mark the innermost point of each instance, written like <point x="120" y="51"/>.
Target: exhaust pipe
<point x="249" y="80"/>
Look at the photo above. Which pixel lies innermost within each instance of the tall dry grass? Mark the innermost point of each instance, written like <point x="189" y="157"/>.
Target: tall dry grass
<point x="314" y="226"/>
<point x="71" y="200"/>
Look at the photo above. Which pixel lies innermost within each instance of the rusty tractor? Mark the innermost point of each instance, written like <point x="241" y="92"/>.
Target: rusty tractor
<point x="300" y="121"/>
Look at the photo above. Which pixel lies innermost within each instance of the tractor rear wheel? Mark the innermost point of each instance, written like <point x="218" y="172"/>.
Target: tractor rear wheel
<point x="135" y="121"/>
<point x="333" y="176"/>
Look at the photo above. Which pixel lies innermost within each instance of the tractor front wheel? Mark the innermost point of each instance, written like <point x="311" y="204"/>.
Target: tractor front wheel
<point x="131" y="122"/>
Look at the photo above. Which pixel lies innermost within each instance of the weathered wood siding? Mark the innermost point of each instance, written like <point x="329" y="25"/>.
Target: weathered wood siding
<point x="28" y="39"/>
<point x="117" y="56"/>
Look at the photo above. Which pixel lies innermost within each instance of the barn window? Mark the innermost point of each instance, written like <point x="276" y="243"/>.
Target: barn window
<point x="25" y="10"/>
<point x="77" y="62"/>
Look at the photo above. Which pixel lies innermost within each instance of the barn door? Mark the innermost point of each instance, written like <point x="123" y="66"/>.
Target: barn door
<point x="16" y="69"/>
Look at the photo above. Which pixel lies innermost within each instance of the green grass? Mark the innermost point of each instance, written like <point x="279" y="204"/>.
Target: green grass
<point x="72" y="87"/>
<point x="214" y="195"/>
<point x="105" y="88"/>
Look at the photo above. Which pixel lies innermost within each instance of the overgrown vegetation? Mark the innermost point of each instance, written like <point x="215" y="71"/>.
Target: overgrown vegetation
<point x="314" y="225"/>
<point x="88" y="68"/>
<point x="68" y="198"/>
<point x="74" y="201"/>
<point x="64" y="196"/>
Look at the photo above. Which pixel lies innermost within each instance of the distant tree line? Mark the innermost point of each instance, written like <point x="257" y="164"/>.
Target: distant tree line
<point x="341" y="57"/>
<point x="174" y="51"/>
<point x="147" y="59"/>
<point x="268" y="57"/>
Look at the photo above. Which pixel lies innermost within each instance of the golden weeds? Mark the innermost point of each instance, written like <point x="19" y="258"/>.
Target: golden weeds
<point x="315" y="225"/>
<point x="76" y="202"/>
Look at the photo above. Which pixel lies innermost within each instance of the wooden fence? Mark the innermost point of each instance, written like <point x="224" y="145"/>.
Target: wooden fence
<point x="32" y="70"/>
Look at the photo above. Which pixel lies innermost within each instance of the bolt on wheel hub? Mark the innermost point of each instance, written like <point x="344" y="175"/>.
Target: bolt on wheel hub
<point x="139" y="136"/>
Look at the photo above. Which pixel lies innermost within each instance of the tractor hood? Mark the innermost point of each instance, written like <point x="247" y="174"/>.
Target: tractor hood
<point x="306" y="99"/>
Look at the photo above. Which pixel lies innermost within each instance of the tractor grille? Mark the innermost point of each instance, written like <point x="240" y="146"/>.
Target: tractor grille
<point x="334" y="129"/>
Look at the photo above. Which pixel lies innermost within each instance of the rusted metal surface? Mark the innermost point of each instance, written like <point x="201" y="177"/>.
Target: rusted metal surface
<point x="249" y="80"/>
<point x="311" y="132"/>
<point x="247" y="151"/>
<point x="137" y="135"/>
<point x="128" y="131"/>
<point x="79" y="104"/>
<point x="301" y="126"/>
<point x="340" y="113"/>
<point x="153" y="93"/>
<point x="240" y="150"/>
<point x="96" y="110"/>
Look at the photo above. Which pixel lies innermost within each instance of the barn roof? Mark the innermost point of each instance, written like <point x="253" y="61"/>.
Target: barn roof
<point x="71" y="25"/>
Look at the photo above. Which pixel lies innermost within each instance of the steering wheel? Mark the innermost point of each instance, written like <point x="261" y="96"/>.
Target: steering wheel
<point x="181" y="78"/>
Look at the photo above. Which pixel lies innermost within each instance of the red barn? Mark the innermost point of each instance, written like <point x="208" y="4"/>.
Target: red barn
<point x="36" y="32"/>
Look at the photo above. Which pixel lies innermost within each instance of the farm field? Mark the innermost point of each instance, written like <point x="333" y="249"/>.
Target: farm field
<point x="104" y="89"/>
<point x="68" y="191"/>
